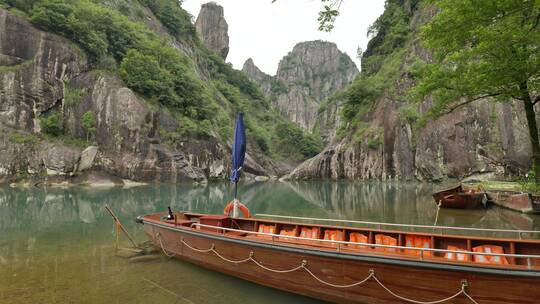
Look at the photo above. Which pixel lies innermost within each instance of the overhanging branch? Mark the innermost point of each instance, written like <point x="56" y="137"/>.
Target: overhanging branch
<point x="453" y="108"/>
<point x="537" y="99"/>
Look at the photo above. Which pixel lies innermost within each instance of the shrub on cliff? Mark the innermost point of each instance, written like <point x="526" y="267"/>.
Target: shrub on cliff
<point x="174" y="17"/>
<point x="143" y="73"/>
<point x="52" y="124"/>
<point x="224" y="71"/>
<point x="88" y="122"/>
<point x="290" y="134"/>
<point x="172" y="86"/>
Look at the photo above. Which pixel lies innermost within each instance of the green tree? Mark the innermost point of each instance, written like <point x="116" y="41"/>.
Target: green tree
<point x="484" y="50"/>
<point x="52" y="124"/>
<point x="88" y="122"/>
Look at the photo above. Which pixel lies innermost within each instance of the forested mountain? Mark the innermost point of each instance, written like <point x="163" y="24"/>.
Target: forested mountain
<point x="127" y="87"/>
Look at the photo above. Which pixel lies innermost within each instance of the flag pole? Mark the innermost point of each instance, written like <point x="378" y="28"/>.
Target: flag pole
<point x="235" y="201"/>
<point x="237" y="157"/>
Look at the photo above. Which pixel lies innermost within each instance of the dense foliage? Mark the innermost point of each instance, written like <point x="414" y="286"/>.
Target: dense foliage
<point x="292" y="135"/>
<point x="174" y="17"/>
<point x="224" y="71"/>
<point x="52" y="124"/>
<point x="484" y="49"/>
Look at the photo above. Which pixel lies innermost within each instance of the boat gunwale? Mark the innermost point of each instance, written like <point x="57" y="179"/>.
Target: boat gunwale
<point x="519" y="232"/>
<point x="421" y="249"/>
<point x="448" y="189"/>
<point x="349" y="255"/>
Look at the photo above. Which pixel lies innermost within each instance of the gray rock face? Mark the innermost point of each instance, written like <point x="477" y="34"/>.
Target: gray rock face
<point x="468" y="142"/>
<point x="307" y="76"/>
<point x="213" y="28"/>
<point x="34" y="66"/>
<point x="88" y="156"/>
<point x="312" y="72"/>
<point x="127" y="133"/>
<point x="261" y="78"/>
<point x="483" y="139"/>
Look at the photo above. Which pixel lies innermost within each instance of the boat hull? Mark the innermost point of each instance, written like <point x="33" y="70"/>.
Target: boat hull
<point x="421" y="281"/>
<point x="458" y="198"/>
<point x="517" y="201"/>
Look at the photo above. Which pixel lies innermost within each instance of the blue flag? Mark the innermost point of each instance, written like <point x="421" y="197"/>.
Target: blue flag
<point x="238" y="148"/>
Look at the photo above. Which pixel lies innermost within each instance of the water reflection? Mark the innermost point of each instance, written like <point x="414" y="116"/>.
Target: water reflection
<point x="56" y="245"/>
<point x="35" y="209"/>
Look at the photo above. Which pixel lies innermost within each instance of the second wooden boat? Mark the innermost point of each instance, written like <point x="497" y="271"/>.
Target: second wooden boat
<point x="515" y="200"/>
<point x="460" y="198"/>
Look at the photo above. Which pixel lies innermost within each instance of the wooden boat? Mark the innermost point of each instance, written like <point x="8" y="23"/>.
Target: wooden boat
<point x="460" y="198"/>
<point x="515" y="200"/>
<point x="356" y="265"/>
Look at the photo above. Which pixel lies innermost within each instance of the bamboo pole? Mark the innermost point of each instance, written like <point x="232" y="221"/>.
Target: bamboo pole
<point x="117" y="221"/>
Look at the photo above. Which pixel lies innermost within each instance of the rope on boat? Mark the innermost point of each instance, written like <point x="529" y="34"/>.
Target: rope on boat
<point x="171" y="255"/>
<point x="303" y="265"/>
<point x="437" y="215"/>
<point x="250" y="258"/>
<point x="462" y="291"/>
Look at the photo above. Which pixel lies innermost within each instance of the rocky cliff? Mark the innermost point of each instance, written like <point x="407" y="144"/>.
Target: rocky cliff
<point x="261" y="78"/>
<point x="45" y="76"/>
<point x="306" y="77"/>
<point x="37" y="72"/>
<point x="213" y="28"/>
<point x="380" y="139"/>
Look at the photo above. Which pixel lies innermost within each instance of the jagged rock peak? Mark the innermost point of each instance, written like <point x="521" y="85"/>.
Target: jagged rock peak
<point x="254" y="72"/>
<point x="318" y="60"/>
<point x="213" y="28"/>
<point x="309" y="74"/>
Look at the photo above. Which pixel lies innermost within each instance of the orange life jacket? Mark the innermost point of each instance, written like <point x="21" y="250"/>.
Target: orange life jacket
<point x="288" y="232"/>
<point x="271" y="229"/>
<point x="461" y="257"/>
<point x="418" y="242"/>
<point x="357" y="237"/>
<point x="489" y="259"/>
<point x="310" y="233"/>
<point x="382" y="239"/>
<point x="333" y="235"/>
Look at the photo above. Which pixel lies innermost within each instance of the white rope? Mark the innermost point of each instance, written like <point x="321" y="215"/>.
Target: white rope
<point x="303" y="265"/>
<point x="462" y="291"/>
<point x="437" y="215"/>
<point x="158" y="236"/>
<point x="250" y="258"/>
<point x="371" y="275"/>
<point x="279" y="271"/>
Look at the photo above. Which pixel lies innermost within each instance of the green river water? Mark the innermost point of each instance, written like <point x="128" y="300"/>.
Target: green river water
<point x="57" y="245"/>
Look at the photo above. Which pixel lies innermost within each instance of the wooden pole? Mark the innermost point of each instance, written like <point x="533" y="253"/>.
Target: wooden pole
<point x="117" y="221"/>
<point x="117" y="233"/>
